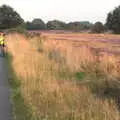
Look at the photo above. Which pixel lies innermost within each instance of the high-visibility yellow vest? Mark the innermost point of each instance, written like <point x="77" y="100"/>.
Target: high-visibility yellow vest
<point x="1" y="40"/>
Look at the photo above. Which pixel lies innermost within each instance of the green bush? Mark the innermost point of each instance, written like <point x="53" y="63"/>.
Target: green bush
<point x="80" y="75"/>
<point x="19" y="29"/>
<point x="56" y="55"/>
<point x="98" y="27"/>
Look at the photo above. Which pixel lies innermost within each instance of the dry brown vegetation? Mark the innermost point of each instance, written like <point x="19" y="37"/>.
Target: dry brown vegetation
<point x="68" y="76"/>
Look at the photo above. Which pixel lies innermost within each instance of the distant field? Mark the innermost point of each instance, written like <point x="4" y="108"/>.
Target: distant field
<point x="102" y="42"/>
<point x="99" y="41"/>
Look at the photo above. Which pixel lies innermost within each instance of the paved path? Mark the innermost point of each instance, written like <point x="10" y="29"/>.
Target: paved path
<point x="5" y="104"/>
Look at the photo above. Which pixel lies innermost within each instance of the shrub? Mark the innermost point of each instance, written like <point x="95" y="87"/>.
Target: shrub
<point x="98" y="27"/>
<point x="18" y="29"/>
<point x="80" y="75"/>
<point x="56" y="55"/>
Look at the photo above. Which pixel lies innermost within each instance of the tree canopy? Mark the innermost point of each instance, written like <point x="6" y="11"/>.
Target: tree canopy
<point x="36" y="24"/>
<point x="9" y="18"/>
<point x="77" y="26"/>
<point x="113" y="20"/>
<point x="56" y="25"/>
<point x="98" y="27"/>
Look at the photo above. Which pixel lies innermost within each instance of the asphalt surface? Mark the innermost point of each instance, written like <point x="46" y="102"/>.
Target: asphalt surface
<point x="5" y="103"/>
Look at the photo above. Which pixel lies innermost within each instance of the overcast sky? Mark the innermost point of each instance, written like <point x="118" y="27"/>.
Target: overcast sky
<point x="64" y="10"/>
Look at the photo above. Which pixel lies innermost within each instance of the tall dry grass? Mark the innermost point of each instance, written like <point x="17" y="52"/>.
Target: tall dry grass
<point x="52" y="97"/>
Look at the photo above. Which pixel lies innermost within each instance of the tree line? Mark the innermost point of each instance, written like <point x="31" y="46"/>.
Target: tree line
<point x="37" y="24"/>
<point x="9" y="18"/>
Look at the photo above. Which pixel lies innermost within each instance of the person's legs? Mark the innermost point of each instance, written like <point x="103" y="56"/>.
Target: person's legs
<point x="2" y="51"/>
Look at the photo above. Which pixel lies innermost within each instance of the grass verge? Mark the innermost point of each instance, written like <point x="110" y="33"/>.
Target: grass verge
<point x="20" y="110"/>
